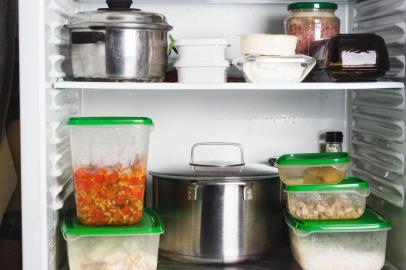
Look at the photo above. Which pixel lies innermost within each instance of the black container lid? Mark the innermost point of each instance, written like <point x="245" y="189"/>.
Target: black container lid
<point x="334" y="136"/>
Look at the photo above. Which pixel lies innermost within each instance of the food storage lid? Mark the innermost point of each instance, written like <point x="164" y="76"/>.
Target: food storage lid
<point x="109" y="121"/>
<point x="313" y="159"/>
<point x="369" y="221"/>
<point x="150" y="223"/>
<point x="352" y="52"/>
<point x="313" y="5"/>
<point x="119" y="14"/>
<point x="217" y="171"/>
<point x="349" y="183"/>
<point x="202" y="41"/>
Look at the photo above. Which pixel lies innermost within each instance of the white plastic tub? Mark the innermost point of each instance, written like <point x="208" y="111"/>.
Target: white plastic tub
<point x="202" y="49"/>
<point x="202" y="71"/>
<point x="340" y="245"/>
<point x="113" y="247"/>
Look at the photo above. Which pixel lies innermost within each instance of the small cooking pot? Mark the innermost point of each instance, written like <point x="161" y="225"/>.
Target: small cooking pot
<point x="119" y="43"/>
<point x="218" y="213"/>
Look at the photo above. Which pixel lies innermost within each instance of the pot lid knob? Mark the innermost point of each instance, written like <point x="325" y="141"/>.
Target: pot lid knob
<point x="119" y="4"/>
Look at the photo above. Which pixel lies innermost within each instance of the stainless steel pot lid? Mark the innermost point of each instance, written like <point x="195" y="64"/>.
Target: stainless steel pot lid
<point x="217" y="170"/>
<point x="119" y="14"/>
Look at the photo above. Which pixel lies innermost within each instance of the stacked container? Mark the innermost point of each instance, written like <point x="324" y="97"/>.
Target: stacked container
<point x="329" y="225"/>
<point x="109" y="161"/>
<point x="202" y="60"/>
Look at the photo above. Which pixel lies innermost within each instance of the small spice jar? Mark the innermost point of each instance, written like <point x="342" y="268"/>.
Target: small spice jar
<point x="312" y="22"/>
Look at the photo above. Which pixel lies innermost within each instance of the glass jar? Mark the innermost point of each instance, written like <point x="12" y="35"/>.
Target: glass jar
<point x="312" y="22"/>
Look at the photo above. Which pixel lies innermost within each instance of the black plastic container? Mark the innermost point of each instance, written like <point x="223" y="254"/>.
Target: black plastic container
<point x="351" y="57"/>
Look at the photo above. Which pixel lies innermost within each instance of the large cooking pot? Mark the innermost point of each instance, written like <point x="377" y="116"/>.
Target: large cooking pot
<point x="119" y="43"/>
<point x="218" y="213"/>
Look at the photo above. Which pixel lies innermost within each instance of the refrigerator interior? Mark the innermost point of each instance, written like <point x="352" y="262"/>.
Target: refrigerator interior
<point x="267" y="120"/>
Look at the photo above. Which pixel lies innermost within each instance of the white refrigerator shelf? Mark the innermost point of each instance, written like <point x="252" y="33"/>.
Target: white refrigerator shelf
<point x="225" y="86"/>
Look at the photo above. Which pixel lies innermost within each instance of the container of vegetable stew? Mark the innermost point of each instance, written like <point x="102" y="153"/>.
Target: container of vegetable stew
<point x="313" y="168"/>
<point x="358" y="244"/>
<point x="113" y="247"/>
<point x="109" y="160"/>
<point x="346" y="200"/>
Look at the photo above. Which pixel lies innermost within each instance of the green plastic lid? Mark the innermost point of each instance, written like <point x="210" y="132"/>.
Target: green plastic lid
<point x="105" y="121"/>
<point x="349" y="183"/>
<point x="369" y="221"/>
<point x="313" y="158"/>
<point x="313" y="5"/>
<point x="150" y="223"/>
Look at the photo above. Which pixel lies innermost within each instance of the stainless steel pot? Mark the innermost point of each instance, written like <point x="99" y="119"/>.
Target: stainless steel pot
<point x="119" y="43"/>
<point x="218" y="213"/>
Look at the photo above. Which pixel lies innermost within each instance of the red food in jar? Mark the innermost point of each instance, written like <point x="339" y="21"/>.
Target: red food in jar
<point x="111" y="195"/>
<point x="311" y="26"/>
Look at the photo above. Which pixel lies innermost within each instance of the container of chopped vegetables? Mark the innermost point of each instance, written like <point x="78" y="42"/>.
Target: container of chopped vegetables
<point x="109" y="161"/>
<point x="313" y="168"/>
<point x="113" y="247"/>
<point x="358" y="244"/>
<point x="346" y="200"/>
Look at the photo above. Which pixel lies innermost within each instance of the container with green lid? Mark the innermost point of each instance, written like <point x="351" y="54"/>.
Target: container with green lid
<point x="313" y="168"/>
<point x="312" y="23"/>
<point x="113" y="247"/>
<point x="109" y="162"/>
<point x="358" y="244"/>
<point x="346" y="200"/>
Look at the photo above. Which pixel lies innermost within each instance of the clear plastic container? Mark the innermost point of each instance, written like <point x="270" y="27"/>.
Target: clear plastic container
<point x="311" y="22"/>
<point x="113" y="247"/>
<point x="346" y="200"/>
<point x="275" y="69"/>
<point x="109" y="160"/>
<point x="202" y="49"/>
<point x="313" y="168"/>
<point x="340" y="245"/>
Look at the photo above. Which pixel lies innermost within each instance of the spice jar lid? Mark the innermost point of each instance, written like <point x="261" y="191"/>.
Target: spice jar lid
<point x="349" y="183"/>
<point x="109" y="121"/>
<point x="119" y="14"/>
<point x="370" y="221"/>
<point x="313" y="5"/>
<point x="334" y="137"/>
<point x="150" y="223"/>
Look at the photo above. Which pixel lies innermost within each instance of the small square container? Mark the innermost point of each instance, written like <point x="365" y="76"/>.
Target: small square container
<point x="196" y="71"/>
<point x="358" y="244"/>
<point x="313" y="168"/>
<point x="346" y="200"/>
<point x="109" y="161"/>
<point x="113" y="247"/>
<point x="210" y="49"/>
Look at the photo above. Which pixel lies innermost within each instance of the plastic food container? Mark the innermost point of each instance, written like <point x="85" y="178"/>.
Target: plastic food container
<point x="275" y="69"/>
<point x="346" y="200"/>
<point x="266" y="44"/>
<point x="358" y="244"/>
<point x="313" y="168"/>
<point x="113" y="247"/>
<point x="109" y="160"/>
<point x="311" y="22"/>
<point x="195" y="71"/>
<point x="202" y="49"/>
<point x="351" y="57"/>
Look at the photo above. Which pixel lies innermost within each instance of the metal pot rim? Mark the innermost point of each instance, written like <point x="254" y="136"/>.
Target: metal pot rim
<point x="126" y="25"/>
<point x="213" y="179"/>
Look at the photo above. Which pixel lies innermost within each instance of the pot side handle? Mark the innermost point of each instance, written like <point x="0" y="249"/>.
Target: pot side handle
<point x="87" y="37"/>
<point x="192" y="190"/>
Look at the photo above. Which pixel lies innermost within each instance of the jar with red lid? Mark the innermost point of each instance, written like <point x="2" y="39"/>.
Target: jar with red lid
<point x="312" y="22"/>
